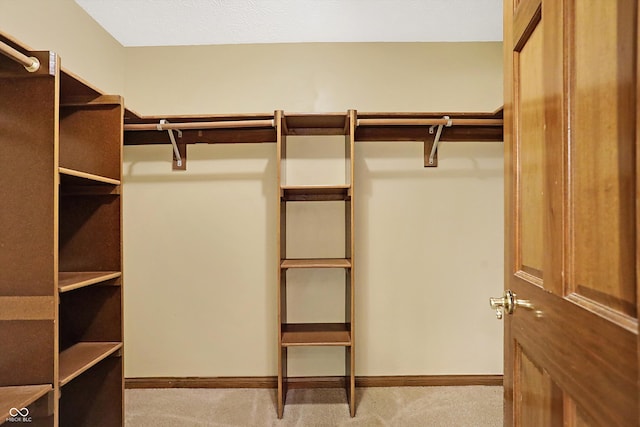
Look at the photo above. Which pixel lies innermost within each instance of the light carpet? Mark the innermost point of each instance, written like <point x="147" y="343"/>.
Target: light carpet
<point x="474" y="406"/>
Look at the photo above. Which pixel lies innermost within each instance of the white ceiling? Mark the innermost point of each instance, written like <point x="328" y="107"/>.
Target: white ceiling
<point x="196" y="22"/>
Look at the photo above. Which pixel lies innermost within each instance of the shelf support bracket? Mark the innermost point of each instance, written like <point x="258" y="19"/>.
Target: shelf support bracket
<point x="179" y="149"/>
<point x="431" y="144"/>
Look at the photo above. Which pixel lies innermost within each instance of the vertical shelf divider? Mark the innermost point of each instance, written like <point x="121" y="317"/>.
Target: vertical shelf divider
<point x="281" y="147"/>
<point x="350" y="380"/>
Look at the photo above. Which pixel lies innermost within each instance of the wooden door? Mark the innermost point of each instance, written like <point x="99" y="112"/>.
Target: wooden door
<point x="570" y="212"/>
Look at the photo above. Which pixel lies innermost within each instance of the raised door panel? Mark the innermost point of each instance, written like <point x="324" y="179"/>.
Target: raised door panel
<point x="602" y="142"/>
<point x="541" y="404"/>
<point x="531" y="150"/>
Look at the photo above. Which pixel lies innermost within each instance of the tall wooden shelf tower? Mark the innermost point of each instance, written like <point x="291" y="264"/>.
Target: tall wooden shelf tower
<point x="316" y="334"/>
<point x="60" y="246"/>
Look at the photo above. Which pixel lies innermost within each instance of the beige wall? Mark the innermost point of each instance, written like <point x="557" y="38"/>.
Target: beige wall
<point x="200" y="262"/>
<point x="64" y="27"/>
<point x="314" y="77"/>
<point x="200" y="254"/>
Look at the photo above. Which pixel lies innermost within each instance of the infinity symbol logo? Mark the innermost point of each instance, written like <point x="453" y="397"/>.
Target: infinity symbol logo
<point x="14" y="412"/>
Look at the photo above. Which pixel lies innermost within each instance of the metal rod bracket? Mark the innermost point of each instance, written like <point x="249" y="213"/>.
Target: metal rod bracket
<point x="174" y="144"/>
<point x="436" y="141"/>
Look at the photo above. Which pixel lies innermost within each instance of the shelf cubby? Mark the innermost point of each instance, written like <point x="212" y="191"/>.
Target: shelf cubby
<point x="90" y="362"/>
<point x="91" y="138"/>
<point x="94" y="397"/>
<point x="316" y="334"/>
<point x="27" y="361"/>
<point x="315" y="229"/>
<point x="304" y="193"/>
<point x="83" y="356"/>
<point x="90" y="314"/>
<point x="314" y="124"/>
<point x="90" y="233"/>
<point x="21" y="397"/>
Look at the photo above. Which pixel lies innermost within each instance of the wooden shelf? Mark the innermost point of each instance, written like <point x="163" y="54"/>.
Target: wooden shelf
<point x="315" y="334"/>
<point x="80" y="357"/>
<point x="192" y="134"/>
<point x="316" y="123"/>
<point x="486" y="127"/>
<point x="20" y="397"/>
<point x="316" y="263"/>
<point x="304" y="124"/>
<point x="98" y="101"/>
<point x="74" y="177"/>
<point x="70" y="280"/>
<point x="306" y="193"/>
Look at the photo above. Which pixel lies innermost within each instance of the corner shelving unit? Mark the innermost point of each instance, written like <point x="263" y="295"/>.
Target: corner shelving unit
<point x="61" y="300"/>
<point x="316" y="334"/>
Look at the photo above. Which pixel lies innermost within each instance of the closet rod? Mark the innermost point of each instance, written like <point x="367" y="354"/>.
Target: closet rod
<point x="201" y="125"/>
<point x="30" y="63"/>
<point x="429" y="122"/>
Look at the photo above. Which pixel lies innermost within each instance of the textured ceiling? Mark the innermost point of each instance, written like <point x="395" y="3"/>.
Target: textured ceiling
<point x="196" y="22"/>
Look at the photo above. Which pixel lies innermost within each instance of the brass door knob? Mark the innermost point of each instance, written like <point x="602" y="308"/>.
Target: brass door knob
<point x="508" y="303"/>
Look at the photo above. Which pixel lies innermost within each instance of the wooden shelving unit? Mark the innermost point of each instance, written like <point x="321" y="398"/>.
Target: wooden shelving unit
<point x="62" y="216"/>
<point x="316" y="334"/>
<point x="90" y="255"/>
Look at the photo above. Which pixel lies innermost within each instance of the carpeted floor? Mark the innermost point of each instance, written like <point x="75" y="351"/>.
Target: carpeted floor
<point x="474" y="406"/>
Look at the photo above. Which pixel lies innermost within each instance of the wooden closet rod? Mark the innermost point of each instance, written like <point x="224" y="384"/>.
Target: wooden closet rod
<point x="30" y="63"/>
<point x="429" y="122"/>
<point x="200" y="125"/>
